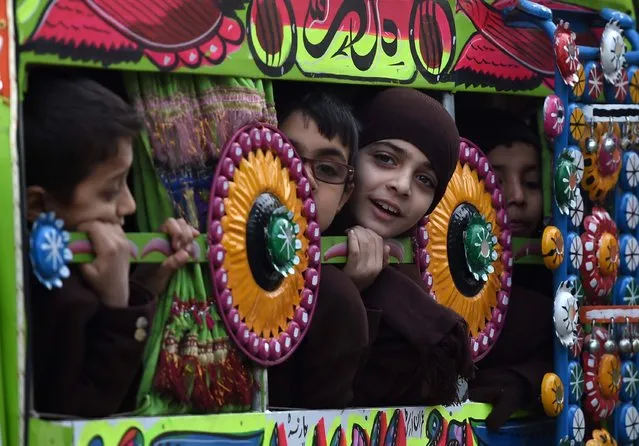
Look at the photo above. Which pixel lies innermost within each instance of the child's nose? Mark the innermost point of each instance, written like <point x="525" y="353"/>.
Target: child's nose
<point x="126" y="205"/>
<point x="402" y="184"/>
<point x="516" y="193"/>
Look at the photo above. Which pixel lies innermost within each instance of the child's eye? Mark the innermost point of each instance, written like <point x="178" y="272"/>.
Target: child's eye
<point x="532" y="184"/>
<point x="111" y="194"/>
<point x="326" y="169"/>
<point x="426" y="181"/>
<point x="384" y="158"/>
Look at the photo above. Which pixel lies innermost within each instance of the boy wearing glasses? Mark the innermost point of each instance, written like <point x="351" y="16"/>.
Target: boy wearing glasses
<point x="321" y="373"/>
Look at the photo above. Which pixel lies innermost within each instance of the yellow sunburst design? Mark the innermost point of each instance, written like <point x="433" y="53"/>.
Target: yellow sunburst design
<point x="580" y="86"/>
<point x="552" y="394"/>
<point x="609" y="375"/>
<point x="577" y="124"/>
<point x="264" y="312"/>
<point x="464" y="187"/>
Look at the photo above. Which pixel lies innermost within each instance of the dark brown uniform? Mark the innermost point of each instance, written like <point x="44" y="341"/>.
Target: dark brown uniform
<point x="86" y="356"/>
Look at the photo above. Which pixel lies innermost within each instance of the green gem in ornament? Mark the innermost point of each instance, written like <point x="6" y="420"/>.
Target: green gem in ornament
<point x="282" y="243"/>
<point x="479" y="246"/>
<point x="565" y="182"/>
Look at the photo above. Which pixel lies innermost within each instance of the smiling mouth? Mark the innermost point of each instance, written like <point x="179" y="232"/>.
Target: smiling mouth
<point x="386" y="208"/>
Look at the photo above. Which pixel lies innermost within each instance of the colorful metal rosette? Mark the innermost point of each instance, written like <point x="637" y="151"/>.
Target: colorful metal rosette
<point x="552" y="247"/>
<point x="264" y="243"/>
<point x="552" y="394"/>
<point x="601" y="167"/>
<point x="470" y="274"/>
<point x="601" y="437"/>
<point x="601" y="255"/>
<point x="554" y="116"/>
<point x="602" y="378"/>
<point x="627" y="422"/>
<point x="612" y="50"/>
<point x="566" y="53"/>
<point x="629" y="381"/>
<point x="566" y="182"/>
<point x="566" y="314"/>
<point x="576" y="384"/>
<point x="49" y="252"/>
<point x="618" y="92"/>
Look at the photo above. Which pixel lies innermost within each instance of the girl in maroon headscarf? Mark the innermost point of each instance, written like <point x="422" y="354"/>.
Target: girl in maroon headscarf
<point x="418" y="348"/>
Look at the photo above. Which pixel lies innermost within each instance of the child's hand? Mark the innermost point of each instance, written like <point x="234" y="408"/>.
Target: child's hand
<point x="367" y="256"/>
<point x="155" y="278"/>
<point x="108" y="274"/>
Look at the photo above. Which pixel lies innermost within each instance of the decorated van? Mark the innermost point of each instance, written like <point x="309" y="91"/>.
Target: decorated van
<point x="578" y="61"/>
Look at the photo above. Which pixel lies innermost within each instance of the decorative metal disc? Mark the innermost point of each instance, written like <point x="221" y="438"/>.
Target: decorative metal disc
<point x="576" y="211"/>
<point x="626" y="291"/>
<point x="577" y="424"/>
<point x="580" y="86"/>
<point x="575" y="251"/>
<point x="565" y="181"/>
<point x="554" y="116"/>
<point x="613" y="52"/>
<point x="552" y="394"/>
<point x="629" y="381"/>
<point x="629" y="254"/>
<point x="602" y="378"/>
<point x="594" y="81"/>
<point x="552" y="247"/>
<point x="578" y="161"/>
<point x="628" y="212"/>
<point x="629" y="170"/>
<point x="49" y="252"/>
<point x="470" y="274"/>
<point x="628" y="424"/>
<point x="566" y="314"/>
<point x="618" y="92"/>
<point x="577" y="124"/>
<point x="602" y="167"/>
<point x="566" y="53"/>
<point x="601" y="254"/>
<point x="576" y="374"/>
<point x="264" y="244"/>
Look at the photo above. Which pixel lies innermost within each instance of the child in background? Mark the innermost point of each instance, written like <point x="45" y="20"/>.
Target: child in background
<point x="89" y="336"/>
<point x="510" y="376"/>
<point x="418" y="348"/>
<point x="321" y="372"/>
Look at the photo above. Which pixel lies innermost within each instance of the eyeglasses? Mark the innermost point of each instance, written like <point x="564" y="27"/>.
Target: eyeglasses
<point x="331" y="172"/>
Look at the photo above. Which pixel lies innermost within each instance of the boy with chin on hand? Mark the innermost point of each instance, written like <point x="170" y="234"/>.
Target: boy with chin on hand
<point x="89" y="336"/>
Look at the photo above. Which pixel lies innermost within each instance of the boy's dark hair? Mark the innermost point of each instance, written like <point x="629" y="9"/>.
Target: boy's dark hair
<point x="71" y="125"/>
<point x="492" y="127"/>
<point x="333" y="117"/>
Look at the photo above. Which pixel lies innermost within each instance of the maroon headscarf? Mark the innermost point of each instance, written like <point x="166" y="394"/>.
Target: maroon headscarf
<point x="415" y="117"/>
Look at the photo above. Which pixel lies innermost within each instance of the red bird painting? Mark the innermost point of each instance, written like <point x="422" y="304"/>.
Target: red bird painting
<point x="171" y="33"/>
<point x="504" y="57"/>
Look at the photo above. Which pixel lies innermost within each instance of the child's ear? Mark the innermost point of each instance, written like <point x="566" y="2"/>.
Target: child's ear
<point x="348" y="191"/>
<point x="35" y="202"/>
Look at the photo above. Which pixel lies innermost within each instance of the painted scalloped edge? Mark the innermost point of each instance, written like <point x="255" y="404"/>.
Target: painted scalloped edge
<point x="472" y="155"/>
<point x="273" y="350"/>
<point x="596" y="284"/>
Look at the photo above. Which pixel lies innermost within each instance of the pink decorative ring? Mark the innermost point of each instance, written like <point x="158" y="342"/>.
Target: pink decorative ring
<point x="264" y="241"/>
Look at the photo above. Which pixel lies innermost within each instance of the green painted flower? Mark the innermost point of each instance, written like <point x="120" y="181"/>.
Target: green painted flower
<point x="282" y="243"/>
<point x="479" y="246"/>
<point x="565" y="182"/>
